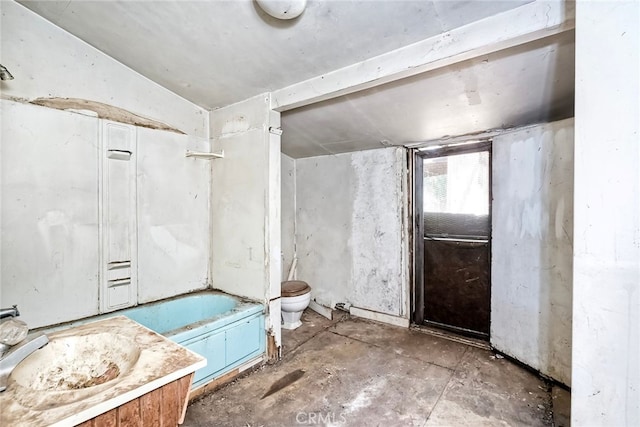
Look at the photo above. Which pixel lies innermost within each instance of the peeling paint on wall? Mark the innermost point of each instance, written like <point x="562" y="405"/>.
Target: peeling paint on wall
<point x="103" y="111"/>
<point x="350" y="219"/>
<point x="376" y="235"/>
<point x="236" y="124"/>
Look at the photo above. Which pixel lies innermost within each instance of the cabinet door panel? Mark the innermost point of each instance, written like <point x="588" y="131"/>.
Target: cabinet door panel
<point x="211" y="347"/>
<point x="243" y="340"/>
<point x="119" y="235"/>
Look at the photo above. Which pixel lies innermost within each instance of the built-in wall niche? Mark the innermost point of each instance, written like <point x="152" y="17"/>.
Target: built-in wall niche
<point x="118" y="230"/>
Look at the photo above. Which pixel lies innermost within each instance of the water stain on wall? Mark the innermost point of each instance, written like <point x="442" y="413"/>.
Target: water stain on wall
<point x="103" y="111"/>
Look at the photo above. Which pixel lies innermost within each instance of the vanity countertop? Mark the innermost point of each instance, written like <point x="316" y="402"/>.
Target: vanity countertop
<point x="160" y="362"/>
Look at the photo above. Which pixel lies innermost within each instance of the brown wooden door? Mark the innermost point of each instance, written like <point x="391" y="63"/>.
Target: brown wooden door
<point x="455" y="238"/>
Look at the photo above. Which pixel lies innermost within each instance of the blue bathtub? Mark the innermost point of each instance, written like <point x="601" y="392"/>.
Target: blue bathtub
<point x="225" y="330"/>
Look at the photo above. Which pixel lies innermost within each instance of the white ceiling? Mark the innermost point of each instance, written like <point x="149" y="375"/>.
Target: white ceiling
<point x="215" y="53"/>
<point x="519" y="86"/>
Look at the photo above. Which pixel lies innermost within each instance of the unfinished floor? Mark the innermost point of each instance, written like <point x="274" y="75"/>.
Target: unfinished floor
<point x="359" y="373"/>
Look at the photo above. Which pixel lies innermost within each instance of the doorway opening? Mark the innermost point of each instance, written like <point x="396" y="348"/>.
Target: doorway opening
<point x="452" y="253"/>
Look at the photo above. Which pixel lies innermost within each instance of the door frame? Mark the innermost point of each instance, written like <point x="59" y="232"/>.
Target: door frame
<point x="418" y="155"/>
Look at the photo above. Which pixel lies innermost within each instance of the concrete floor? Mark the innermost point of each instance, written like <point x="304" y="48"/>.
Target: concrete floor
<point x="359" y="373"/>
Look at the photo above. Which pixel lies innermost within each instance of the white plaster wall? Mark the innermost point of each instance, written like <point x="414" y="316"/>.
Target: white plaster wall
<point x="246" y="205"/>
<point x="531" y="265"/>
<point x="173" y="215"/>
<point x="288" y="214"/>
<point x="606" y="292"/>
<point x="46" y="61"/>
<point x="238" y="201"/>
<point x="274" y="204"/>
<point x="273" y="228"/>
<point x="238" y="216"/>
<point x="350" y="229"/>
<point x="324" y="215"/>
<point x="49" y="226"/>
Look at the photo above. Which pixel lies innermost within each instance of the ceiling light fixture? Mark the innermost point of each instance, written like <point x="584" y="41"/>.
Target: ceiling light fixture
<point x="4" y="73"/>
<point x="283" y="9"/>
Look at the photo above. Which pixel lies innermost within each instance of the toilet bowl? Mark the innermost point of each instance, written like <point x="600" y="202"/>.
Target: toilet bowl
<point x="294" y="298"/>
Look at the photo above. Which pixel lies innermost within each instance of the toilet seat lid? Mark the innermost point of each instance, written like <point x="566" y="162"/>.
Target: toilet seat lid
<point x="294" y="288"/>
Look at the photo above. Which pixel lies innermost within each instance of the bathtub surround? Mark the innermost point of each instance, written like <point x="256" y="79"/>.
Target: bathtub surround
<point x="173" y="215"/>
<point x="532" y="247"/>
<point x="52" y="218"/>
<point x="245" y="206"/>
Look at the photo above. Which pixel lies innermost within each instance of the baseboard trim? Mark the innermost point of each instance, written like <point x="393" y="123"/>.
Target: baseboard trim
<point x="379" y="317"/>
<point x="321" y="310"/>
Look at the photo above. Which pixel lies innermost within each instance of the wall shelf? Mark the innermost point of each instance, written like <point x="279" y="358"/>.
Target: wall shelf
<point x="207" y="156"/>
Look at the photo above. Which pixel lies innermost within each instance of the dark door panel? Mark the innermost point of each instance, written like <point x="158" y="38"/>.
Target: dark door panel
<point x="457" y="290"/>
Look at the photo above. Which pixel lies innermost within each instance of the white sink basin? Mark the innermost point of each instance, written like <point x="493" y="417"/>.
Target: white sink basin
<point x="74" y="367"/>
<point x="91" y="369"/>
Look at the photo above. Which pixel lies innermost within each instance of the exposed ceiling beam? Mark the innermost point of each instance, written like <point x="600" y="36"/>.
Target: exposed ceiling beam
<point x="532" y="21"/>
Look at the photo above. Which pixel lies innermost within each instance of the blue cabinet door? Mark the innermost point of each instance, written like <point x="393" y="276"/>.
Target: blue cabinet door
<point x="212" y="348"/>
<point x="243" y="339"/>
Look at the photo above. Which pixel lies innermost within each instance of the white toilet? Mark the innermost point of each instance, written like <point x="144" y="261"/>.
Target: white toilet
<point x="294" y="298"/>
